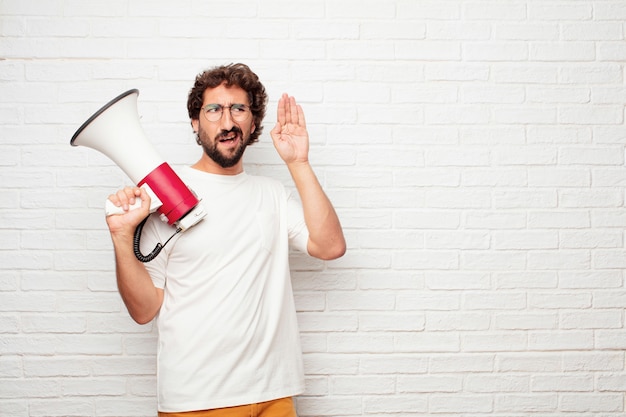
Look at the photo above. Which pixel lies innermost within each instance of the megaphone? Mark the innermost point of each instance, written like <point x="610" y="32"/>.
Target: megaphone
<point x="114" y="130"/>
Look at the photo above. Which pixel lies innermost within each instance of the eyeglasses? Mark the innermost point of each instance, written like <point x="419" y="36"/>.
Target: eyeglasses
<point x="239" y="112"/>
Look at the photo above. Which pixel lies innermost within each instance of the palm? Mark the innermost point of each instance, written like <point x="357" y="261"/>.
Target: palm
<point x="290" y="136"/>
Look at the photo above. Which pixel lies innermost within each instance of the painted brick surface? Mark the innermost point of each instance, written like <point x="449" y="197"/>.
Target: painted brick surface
<point x="474" y="151"/>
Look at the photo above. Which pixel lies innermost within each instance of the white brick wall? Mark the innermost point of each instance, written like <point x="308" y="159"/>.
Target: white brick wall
<point x="474" y="151"/>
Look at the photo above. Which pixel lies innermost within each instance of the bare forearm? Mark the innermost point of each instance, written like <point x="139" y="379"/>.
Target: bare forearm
<point x="326" y="239"/>
<point x="142" y="299"/>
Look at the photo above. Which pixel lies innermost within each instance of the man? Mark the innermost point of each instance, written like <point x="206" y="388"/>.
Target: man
<point x="228" y="337"/>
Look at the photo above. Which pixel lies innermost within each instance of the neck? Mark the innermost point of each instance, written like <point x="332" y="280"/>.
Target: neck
<point x="206" y="164"/>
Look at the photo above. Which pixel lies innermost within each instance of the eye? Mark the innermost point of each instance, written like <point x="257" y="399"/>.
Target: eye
<point x="238" y="108"/>
<point x="213" y="108"/>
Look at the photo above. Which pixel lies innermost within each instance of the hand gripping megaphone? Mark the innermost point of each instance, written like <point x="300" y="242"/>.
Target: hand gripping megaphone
<point x="114" y="130"/>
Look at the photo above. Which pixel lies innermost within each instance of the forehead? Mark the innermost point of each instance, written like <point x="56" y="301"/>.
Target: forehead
<point x="225" y="95"/>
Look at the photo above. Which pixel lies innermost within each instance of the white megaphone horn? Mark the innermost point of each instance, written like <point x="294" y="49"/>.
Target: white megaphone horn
<point x="114" y="130"/>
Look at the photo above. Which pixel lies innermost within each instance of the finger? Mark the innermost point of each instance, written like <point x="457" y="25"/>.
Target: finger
<point x="115" y="200"/>
<point x="132" y="193"/>
<point x="125" y="197"/>
<point x="122" y="199"/>
<point x="301" y="119"/>
<point x="145" y="199"/>
<point x="281" y="112"/>
<point x="293" y="109"/>
<point x="275" y="132"/>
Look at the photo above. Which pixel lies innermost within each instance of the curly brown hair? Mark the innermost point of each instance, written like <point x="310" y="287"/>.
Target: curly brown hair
<point x="239" y="75"/>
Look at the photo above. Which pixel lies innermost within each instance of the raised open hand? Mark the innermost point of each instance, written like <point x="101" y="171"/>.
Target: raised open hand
<point x="290" y="136"/>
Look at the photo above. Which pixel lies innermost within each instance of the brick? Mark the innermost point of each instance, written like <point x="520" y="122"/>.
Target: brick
<point x="561" y="383"/>
<point x="319" y="322"/>
<point x="427" y="219"/>
<point x="591" y="31"/>
<point x="329" y="406"/>
<point x="560" y="51"/>
<point x="558" y="341"/>
<point x="460" y="403"/>
<point x="526" y="321"/>
<point x="606" y="319"/>
<point x="531" y="198"/>
<point x="393" y="364"/>
<point x="429" y="384"/>
<point x="391" y="322"/>
<point x="497" y="383"/>
<point x="494" y="342"/>
<point x="449" y="30"/>
<point x="559" y="177"/>
<point x="595" y="115"/>
<point x="426" y="342"/>
<point x="428" y="301"/>
<point x="527" y="403"/>
<point x="52" y="324"/>
<point x="427" y="259"/>
<point x="458" y="280"/>
<point x="612" y="382"/>
<point x="528" y="32"/>
<point x="492" y="301"/>
<point x="529" y="362"/>
<point x="358" y="385"/>
<point x="453" y="321"/>
<point x="525" y="279"/>
<point x="456" y="240"/>
<point x="494" y="220"/>
<point x="593" y="361"/>
<point x="429" y="9"/>
<point x="397" y="404"/>
<point x="610" y="340"/>
<point x="560" y="300"/>
<point x="114" y="407"/>
<point x="591" y="279"/>
<point x="560" y="10"/>
<point x="360" y="342"/>
<point x="577" y="95"/>
<point x="525" y="240"/>
<point x="592" y="402"/>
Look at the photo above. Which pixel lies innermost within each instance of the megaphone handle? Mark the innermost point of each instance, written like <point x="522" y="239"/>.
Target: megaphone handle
<point x="111" y="209"/>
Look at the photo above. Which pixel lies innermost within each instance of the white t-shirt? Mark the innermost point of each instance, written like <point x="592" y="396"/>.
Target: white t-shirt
<point x="228" y="333"/>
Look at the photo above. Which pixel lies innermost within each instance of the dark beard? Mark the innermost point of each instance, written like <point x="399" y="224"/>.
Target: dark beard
<point x="210" y="148"/>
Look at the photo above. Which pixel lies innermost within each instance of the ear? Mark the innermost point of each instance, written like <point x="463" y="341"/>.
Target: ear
<point x="253" y="128"/>
<point x="195" y="123"/>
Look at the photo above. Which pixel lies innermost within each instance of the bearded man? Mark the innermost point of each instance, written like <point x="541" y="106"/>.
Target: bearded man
<point x="221" y="292"/>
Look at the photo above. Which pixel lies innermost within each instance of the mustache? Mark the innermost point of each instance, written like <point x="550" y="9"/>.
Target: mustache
<point x="224" y="132"/>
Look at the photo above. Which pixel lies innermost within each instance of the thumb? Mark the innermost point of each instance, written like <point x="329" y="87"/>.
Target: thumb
<point x="276" y="130"/>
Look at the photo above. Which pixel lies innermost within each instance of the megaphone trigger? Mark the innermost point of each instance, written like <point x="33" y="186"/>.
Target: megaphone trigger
<point x="111" y="209"/>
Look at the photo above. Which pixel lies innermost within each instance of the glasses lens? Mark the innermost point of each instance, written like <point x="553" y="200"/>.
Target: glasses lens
<point x="213" y="112"/>
<point x="239" y="112"/>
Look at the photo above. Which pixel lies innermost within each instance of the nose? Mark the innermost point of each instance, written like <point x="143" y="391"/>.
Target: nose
<point x="226" y="121"/>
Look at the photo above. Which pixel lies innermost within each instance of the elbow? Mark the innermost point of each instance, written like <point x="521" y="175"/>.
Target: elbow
<point x="335" y="254"/>
<point x="330" y="252"/>
<point x="141" y="318"/>
<point x="338" y="251"/>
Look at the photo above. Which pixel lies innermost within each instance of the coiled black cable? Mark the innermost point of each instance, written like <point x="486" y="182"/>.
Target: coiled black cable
<point x="157" y="249"/>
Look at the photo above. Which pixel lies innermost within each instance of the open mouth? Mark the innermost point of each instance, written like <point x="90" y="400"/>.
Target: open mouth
<point x="229" y="138"/>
